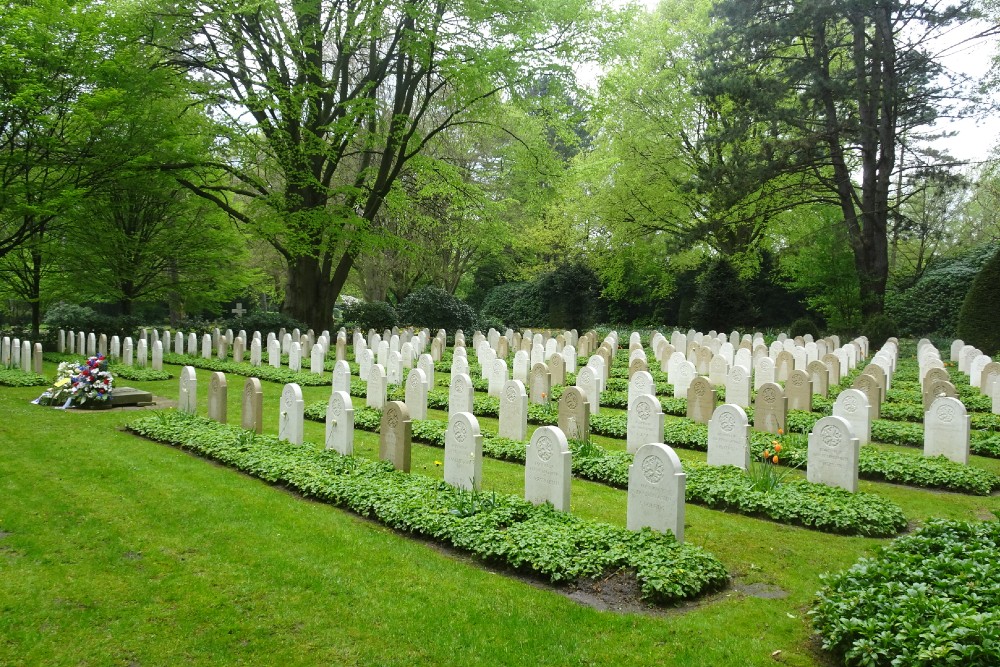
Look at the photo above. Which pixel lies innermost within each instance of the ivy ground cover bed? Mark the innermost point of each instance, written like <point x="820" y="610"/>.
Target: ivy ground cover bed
<point x="795" y="502"/>
<point x="500" y="528"/>
<point x="931" y="598"/>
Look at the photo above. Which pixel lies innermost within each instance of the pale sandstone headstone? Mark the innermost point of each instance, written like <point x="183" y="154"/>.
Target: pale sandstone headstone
<point x="548" y="468"/>
<point x="798" y="391"/>
<point x="819" y="377"/>
<point x="700" y="400"/>
<point x="395" y="436"/>
<point x="217" y="397"/>
<point x="770" y="408"/>
<point x="656" y="484"/>
<point x="833" y="454"/>
<point x="574" y="414"/>
<point x="868" y="385"/>
<point x="463" y="451"/>
<point x="252" y="414"/>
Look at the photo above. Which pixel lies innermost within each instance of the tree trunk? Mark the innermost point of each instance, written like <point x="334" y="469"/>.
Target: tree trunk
<point x="310" y="295"/>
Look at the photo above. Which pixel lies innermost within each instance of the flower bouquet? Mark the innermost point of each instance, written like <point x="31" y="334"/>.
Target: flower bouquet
<point x="81" y="385"/>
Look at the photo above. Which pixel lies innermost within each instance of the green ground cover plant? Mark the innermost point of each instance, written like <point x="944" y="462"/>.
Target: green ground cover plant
<point x="930" y="598"/>
<point x="796" y="502"/>
<point x="554" y="545"/>
<point x="15" y="377"/>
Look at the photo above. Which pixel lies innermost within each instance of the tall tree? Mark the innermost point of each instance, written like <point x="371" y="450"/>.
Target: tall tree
<point x="334" y="98"/>
<point x="836" y="83"/>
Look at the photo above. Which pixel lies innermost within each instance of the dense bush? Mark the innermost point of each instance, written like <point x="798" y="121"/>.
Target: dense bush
<point x="930" y="598"/>
<point x="878" y="329"/>
<point x="72" y="317"/>
<point x="977" y="322"/>
<point x="571" y="294"/>
<point x="514" y="305"/>
<point x="803" y="326"/>
<point x="434" y="308"/>
<point x="377" y="315"/>
<point x="264" y="322"/>
<point x="722" y="301"/>
<point x="932" y="304"/>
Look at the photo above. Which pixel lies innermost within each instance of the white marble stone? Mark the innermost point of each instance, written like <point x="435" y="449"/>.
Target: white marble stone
<point x="656" y="484"/>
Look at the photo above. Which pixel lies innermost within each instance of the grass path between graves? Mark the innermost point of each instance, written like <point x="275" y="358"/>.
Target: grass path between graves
<point x="116" y="551"/>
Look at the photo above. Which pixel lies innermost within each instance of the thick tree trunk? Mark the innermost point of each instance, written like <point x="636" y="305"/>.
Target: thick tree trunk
<point x="310" y="296"/>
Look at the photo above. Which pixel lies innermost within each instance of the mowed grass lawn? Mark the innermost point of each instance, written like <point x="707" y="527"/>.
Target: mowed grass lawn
<point x="119" y="551"/>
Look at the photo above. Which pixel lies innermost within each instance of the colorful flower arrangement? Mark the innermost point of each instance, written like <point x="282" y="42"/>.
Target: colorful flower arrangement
<point x="87" y="384"/>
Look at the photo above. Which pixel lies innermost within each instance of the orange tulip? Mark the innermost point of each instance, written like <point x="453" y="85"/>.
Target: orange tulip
<point x="775" y="459"/>
<point x="781" y="431"/>
<point x="777" y="448"/>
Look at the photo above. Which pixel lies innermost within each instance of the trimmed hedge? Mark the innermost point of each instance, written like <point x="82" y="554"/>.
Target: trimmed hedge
<point x="499" y="528"/>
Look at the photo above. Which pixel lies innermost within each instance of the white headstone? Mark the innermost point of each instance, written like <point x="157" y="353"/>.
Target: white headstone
<point x="513" y="410"/>
<point x="852" y="406"/>
<point x="291" y="416"/>
<point x="729" y="437"/>
<point x="656" y="484"/>
<point x="946" y="430"/>
<point x="833" y="454"/>
<point x="463" y="452"/>
<point x="461" y="394"/>
<point x="644" y="422"/>
<point x="187" y="400"/>
<point x="416" y="393"/>
<point x="738" y="386"/>
<point x="340" y="423"/>
<point x="548" y="468"/>
<point x="376" y="387"/>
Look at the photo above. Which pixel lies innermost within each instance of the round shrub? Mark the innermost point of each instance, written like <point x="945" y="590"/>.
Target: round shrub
<point x="803" y="326"/>
<point x="371" y="315"/>
<point x="71" y="316"/>
<point x="880" y="328"/>
<point x="264" y="322"/>
<point x="515" y="305"/>
<point x="977" y="321"/>
<point x="434" y="308"/>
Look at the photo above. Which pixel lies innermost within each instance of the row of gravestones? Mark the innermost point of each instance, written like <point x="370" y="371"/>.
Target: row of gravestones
<point x="21" y="354"/>
<point x="125" y="352"/>
<point x="982" y="370"/>
<point x="656" y="479"/>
